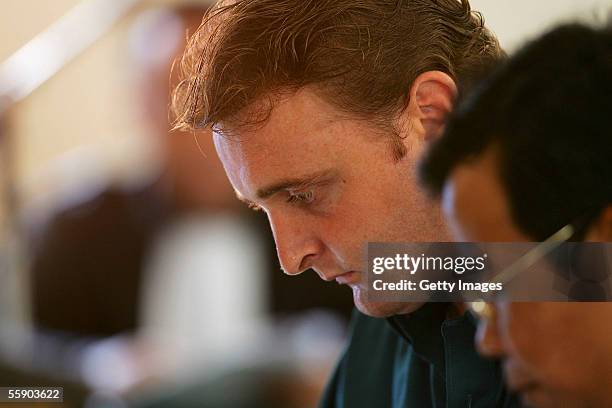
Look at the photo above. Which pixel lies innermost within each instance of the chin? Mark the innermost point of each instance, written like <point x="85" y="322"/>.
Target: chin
<point x="540" y="398"/>
<point x="381" y="309"/>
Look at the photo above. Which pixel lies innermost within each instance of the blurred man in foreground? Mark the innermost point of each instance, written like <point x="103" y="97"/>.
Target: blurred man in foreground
<point x="529" y="153"/>
<point x="320" y="111"/>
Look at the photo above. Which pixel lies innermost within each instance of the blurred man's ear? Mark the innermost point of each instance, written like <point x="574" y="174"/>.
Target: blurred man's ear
<point x="432" y="97"/>
<point x="601" y="230"/>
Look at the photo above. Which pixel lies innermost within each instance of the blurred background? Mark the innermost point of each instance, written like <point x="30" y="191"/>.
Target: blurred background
<point x="129" y="274"/>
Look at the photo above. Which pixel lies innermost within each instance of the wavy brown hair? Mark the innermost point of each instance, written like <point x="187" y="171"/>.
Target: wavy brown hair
<point x="362" y="55"/>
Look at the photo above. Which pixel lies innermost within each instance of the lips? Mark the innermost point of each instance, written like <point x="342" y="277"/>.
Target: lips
<point x="348" y="278"/>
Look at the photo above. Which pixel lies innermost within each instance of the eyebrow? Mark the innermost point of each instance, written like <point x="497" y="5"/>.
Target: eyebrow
<point x="294" y="183"/>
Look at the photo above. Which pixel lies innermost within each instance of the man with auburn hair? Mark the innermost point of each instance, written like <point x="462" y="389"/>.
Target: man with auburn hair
<point x="320" y="110"/>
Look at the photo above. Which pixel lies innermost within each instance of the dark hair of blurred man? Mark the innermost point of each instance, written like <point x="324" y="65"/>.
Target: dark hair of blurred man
<point x="529" y="153"/>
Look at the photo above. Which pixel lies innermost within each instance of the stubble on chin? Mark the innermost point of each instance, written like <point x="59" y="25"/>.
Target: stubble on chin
<point x="381" y="309"/>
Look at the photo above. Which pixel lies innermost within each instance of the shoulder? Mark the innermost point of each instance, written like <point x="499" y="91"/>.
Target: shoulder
<point x="365" y="372"/>
<point x="368" y="332"/>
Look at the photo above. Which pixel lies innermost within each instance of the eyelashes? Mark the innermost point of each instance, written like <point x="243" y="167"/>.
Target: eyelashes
<point x="305" y="197"/>
<point x="254" y="206"/>
<point x="296" y="198"/>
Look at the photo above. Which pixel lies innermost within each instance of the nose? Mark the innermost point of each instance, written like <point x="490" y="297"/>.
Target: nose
<point x="296" y="243"/>
<point x="488" y="339"/>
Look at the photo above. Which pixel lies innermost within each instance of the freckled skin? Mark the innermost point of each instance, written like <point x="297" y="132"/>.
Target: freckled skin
<point x="369" y="196"/>
<point x="556" y="354"/>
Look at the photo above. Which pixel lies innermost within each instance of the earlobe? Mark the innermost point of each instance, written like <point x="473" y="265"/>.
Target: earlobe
<point x="432" y="97"/>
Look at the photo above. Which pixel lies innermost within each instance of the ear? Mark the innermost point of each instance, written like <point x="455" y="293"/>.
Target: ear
<point x="601" y="230"/>
<point x="432" y="96"/>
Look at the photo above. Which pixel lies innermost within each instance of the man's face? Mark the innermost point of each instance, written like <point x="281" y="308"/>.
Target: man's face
<point x="329" y="184"/>
<point x="554" y="354"/>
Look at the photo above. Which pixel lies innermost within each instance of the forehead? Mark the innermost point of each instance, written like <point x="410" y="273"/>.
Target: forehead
<point x="302" y="134"/>
<point x="476" y="203"/>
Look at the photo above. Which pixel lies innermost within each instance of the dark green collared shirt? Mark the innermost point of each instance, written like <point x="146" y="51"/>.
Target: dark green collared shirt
<point x="419" y="360"/>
